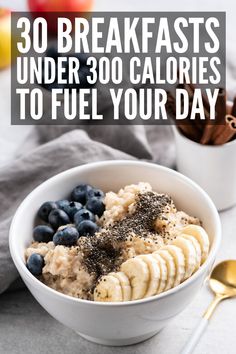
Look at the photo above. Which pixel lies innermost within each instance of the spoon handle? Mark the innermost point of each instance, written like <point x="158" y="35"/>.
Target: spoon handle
<point x="195" y="336"/>
<point x="197" y="332"/>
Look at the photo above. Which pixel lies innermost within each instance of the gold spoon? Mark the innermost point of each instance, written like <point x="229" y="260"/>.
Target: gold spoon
<point x="223" y="283"/>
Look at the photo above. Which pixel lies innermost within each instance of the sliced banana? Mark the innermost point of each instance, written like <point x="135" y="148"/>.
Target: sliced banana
<point x="170" y="268"/>
<point x="163" y="272"/>
<point x="200" y="234"/>
<point x="197" y="247"/>
<point x="154" y="270"/>
<point x="179" y="260"/>
<point x="189" y="254"/>
<point x="108" y="289"/>
<point x="138" y="273"/>
<point x="125" y="284"/>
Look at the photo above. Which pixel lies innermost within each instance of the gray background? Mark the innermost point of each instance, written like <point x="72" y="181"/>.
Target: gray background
<point x="26" y="328"/>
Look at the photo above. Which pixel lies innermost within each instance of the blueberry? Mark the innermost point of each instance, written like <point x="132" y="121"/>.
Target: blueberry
<point x="87" y="228"/>
<point x="62" y="204"/>
<point x="43" y="233"/>
<point x="95" y="192"/>
<point x="35" y="264"/>
<point x="45" y="210"/>
<point x="96" y="206"/>
<point x="72" y="209"/>
<point x="58" y="218"/>
<point x="66" y="237"/>
<point x="79" y="193"/>
<point x="82" y="215"/>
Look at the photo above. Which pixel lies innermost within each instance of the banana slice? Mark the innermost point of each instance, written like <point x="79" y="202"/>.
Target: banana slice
<point x="125" y="285"/>
<point x="179" y="260"/>
<point x="189" y="254"/>
<point x="108" y="289"/>
<point x="197" y="247"/>
<point x="201" y="236"/>
<point x="170" y="268"/>
<point x="163" y="271"/>
<point x="138" y="273"/>
<point x="154" y="270"/>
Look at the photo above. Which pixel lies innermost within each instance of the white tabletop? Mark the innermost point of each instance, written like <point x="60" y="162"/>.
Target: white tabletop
<point x="26" y="328"/>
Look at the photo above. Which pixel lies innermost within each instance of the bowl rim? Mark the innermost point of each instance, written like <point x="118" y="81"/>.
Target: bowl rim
<point x="36" y="283"/>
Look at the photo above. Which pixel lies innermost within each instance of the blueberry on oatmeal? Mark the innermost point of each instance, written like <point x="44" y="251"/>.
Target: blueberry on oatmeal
<point x="35" y="264"/>
<point x="83" y="214"/>
<point x="66" y="237"/>
<point x="96" y="206"/>
<point x="43" y="233"/>
<point x="58" y="218"/>
<point x="72" y="208"/>
<point x="87" y="228"/>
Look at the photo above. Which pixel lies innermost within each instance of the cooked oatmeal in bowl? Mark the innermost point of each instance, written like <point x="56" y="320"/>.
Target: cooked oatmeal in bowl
<point x="71" y="257"/>
<point x="114" y="247"/>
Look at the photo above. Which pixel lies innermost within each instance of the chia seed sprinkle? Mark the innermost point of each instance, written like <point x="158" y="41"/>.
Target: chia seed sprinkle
<point x="102" y="253"/>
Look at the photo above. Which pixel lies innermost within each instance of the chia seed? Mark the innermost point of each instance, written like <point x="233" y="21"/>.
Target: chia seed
<point x="102" y="253"/>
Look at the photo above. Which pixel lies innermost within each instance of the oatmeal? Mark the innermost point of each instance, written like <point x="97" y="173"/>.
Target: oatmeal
<point x="113" y="239"/>
<point x="121" y="203"/>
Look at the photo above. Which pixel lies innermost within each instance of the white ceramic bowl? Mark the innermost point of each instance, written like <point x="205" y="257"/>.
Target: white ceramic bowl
<point x="127" y="322"/>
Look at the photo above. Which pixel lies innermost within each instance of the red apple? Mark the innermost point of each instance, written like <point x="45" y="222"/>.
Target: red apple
<point x="5" y="38"/>
<point x="45" y="7"/>
<point x="60" y="5"/>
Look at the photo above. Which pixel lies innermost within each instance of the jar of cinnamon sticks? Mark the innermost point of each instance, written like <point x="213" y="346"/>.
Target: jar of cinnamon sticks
<point x="207" y="153"/>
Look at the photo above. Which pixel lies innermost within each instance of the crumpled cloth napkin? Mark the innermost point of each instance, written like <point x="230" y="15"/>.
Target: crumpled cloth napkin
<point x="52" y="149"/>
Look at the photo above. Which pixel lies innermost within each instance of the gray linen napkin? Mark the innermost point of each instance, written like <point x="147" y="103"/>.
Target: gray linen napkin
<point x="50" y="150"/>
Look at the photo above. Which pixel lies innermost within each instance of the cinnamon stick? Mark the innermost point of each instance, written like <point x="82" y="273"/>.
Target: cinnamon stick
<point x="204" y="98"/>
<point x="207" y="133"/>
<point x="188" y="130"/>
<point x="234" y="107"/>
<point x="212" y="130"/>
<point x="231" y="120"/>
<point x="221" y="107"/>
<point x="170" y="105"/>
<point x="215" y="132"/>
<point x="197" y="122"/>
<point x="227" y="131"/>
